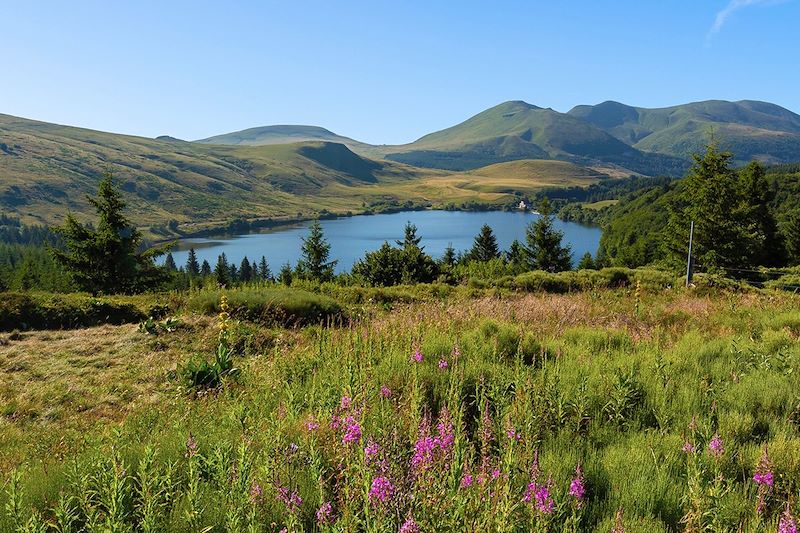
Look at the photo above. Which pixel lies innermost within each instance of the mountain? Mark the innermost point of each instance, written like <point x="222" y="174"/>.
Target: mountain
<point x="750" y="129"/>
<point x="47" y="169"/>
<point x="281" y="134"/>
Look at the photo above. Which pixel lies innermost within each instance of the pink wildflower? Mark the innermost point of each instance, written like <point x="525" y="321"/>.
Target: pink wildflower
<point x="466" y="481"/>
<point x="291" y="499"/>
<point x="443" y="364"/>
<point x="513" y="434"/>
<point x="381" y="490"/>
<point x="352" y="431"/>
<point x="716" y="446"/>
<point x="325" y="513"/>
<point x="345" y="402"/>
<point x="386" y="392"/>
<point x="456" y="353"/>
<point x="688" y="447"/>
<point x="371" y="451"/>
<point x="764" y="475"/>
<point x="416" y="357"/>
<point x="312" y="424"/>
<point x="787" y="524"/>
<point x="255" y="492"/>
<point x="409" y="526"/>
<point x="577" y="489"/>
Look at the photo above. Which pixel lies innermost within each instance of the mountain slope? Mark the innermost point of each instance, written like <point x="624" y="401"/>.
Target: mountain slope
<point x="279" y="134"/>
<point x="47" y="169"/>
<point x="750" y="129"/>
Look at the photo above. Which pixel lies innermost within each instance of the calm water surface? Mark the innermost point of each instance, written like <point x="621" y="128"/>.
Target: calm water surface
<point x="351" y="237"/>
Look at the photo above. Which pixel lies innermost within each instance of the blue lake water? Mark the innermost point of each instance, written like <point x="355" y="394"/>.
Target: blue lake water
<point x="351" y="237"/>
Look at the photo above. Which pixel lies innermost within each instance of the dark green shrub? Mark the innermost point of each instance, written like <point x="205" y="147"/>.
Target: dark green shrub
<point x="63" y="311"/>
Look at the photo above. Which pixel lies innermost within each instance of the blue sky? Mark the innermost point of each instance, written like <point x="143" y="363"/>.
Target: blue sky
<point x="380" y="71"/>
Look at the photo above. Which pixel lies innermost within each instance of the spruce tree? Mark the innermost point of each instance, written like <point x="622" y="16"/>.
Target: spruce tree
<point x="763" y="246"/>
<point x="791" y="232"/>
<point x="192" y="266"/>
<point x="245" y="270"/>
<point x="205" y="269"/>
<point x="383" y="267"/>
<point x="711" y="198"/>
<point x="485" y="246"/>
<point x="543" y="248"/>
<point x="314" y="263"/>
<point x="285" y="275"/>
<point x="263" y="270"/>
<point x="106" y="258"/>
<point x="410" y="239"/>
<point x="587" y="262"/>
<point x="516" y="257"/>
<point x="169" y="263"/>
<point x="449" y="257"/>
<point x="222" y="272"/>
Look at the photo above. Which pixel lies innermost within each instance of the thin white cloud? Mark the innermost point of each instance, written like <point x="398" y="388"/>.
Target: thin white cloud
<point x="732" y="7"/>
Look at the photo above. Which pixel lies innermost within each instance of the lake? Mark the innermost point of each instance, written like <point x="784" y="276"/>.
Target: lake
<point x="351" y="237"/>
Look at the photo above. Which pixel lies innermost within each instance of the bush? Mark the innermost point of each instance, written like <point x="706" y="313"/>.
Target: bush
<point x="285" y="307"/>
<point x="63" y="311"/>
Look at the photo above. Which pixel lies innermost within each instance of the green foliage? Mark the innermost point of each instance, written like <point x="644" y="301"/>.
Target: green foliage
<point x="382" y="268"/>
<point x="107" y="259"/>
<point x="315" y="252"/>
<point x="485" y="245"/>
<point x="64" y="311"/>
<point x="543" y="244"/>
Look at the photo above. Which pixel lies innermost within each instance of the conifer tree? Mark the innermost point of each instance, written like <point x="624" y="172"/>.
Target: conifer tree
<point x="285" y="275"/>
<point x="543" y="248"/>
<point x="315" y="252"/>
<point x="516" y="257"/>
<point x="791" y="231"/>
<point x="764" y="246"/>
<point x="485" y="246"/>
<point x="410" y="239"/>
<point x="263" y="270"/>
<point x="222" y="272"/>
<point x="169" y="263"/>
<point x="106" y="258"/>
<point x="449" y="257"/>
<point x="587" y="262"/>
<point x="192" y="266"/>
<point x="245" y="270"/>
<point x="205" y="269"/>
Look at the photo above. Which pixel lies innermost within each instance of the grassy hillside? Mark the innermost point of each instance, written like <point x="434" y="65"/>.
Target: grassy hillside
<point x="47" y="169"/>
<point x="518" y="130"/>
<point x="750" y="129"/>
<point x="282" y="134"/>
<point x="510" y="395"/>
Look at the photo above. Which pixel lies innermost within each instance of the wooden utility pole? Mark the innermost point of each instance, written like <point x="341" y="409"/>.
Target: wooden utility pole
<point x="689" y="262"/>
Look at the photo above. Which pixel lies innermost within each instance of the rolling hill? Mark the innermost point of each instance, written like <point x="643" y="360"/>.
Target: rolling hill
<point x="46" y="170"/>
<point x="622" y="138"/>
<point x="750" y="129"/>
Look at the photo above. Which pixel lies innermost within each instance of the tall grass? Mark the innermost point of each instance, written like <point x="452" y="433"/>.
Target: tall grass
<point x="460" y="418"/>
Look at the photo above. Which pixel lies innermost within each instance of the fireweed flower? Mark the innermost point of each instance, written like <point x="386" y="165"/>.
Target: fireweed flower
<point x="371" y="451"/>
<point x="787" y="523"/>
<point x="409" y="526"/>
<point x="443" y="364"/>
<point x="764" y="475"/>
<point x="716" y="446"/>
<point x="386" y="392"/>
<point x="539" y="496"/>
<point x="466" y="481"/>
<point x="381" y="490"/>
<point x="577" y="489"/>
<point x="416" y="357"/>
<point x="325" y="513"/>
<point x="688" y="447"/>
<point x="513" y="434"/>
<point x="255" y="492"/>
<point x="352" y="431"/>
<point x="191" y="446"/>
<point x="291" y="499"/>
<point x="345" y="402"/>
<point x="312" y="424"/>
<point x="456" y="353"/>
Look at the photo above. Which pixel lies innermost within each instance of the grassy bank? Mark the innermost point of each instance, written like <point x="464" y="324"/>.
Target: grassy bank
<point x="630" y="385"/>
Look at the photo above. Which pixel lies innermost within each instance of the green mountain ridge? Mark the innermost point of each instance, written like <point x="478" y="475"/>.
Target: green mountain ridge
<point x="634" y="139"/>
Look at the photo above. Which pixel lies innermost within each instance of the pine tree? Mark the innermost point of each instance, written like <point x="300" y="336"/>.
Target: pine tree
<point x="764" y="246"/>
<point x="245" y="270"/>
<point x="711" y="198"/>
<point x="791" y="231"/>
<point x="449" y="258"/>
<point x="383" y="267"/>
<point x="485" y="246"/>
<point x="205" y="269"/>
<point x="410" y="240"/>
<point x="285" y="275"/>
<point x="263" y="270"/>
<point x="587" y="262"/>
<point x="192" y="266"/>
<point x="543" y="248"/>
<point x="222" y="272"/>
<point x="106" y="258"/>
<point x="233" y="272"/>
<point x="516" y="257"/>
<point x="169" y="263"/>
<point x="315" y="252"/>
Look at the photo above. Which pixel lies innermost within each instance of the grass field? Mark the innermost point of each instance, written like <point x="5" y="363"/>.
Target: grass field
<point x="460" y="410"/>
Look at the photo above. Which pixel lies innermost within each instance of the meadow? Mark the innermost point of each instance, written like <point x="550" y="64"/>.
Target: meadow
<point x="639" y="408"/>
